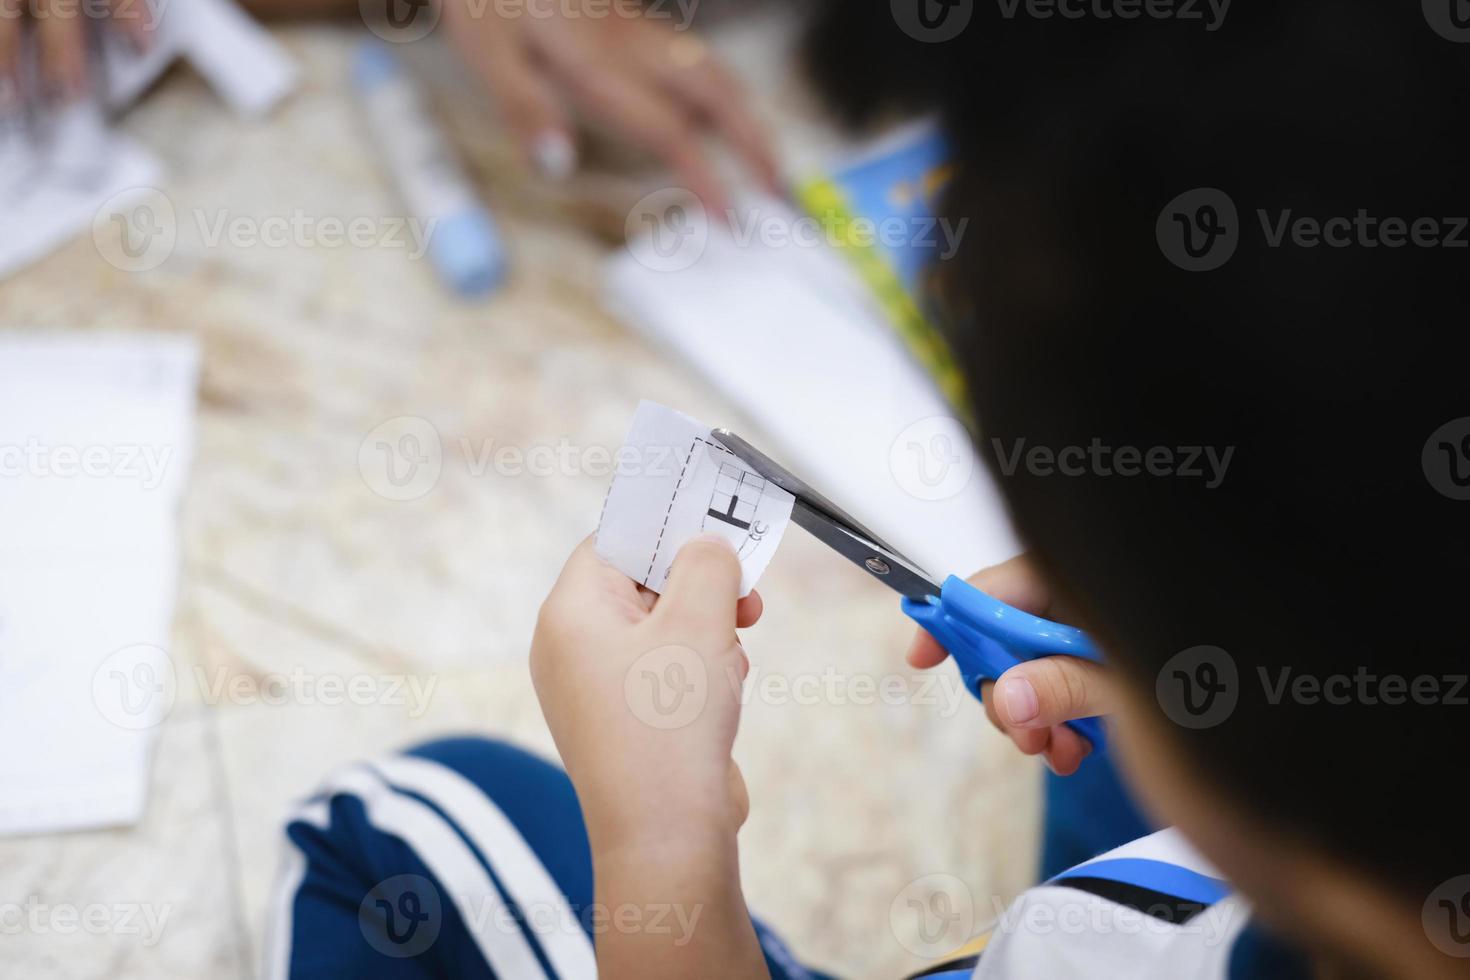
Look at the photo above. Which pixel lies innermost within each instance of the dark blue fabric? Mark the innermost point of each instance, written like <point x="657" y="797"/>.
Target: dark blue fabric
<point x="345" y="863"/>
<point x="1087" y="813"/>
<point x="343" y="899"/>
<point x="535" y="796"/>
<point x="1258" y="955"/>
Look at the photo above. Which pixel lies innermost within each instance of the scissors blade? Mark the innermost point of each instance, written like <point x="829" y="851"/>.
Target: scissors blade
<point x="832" y="526"/>
<point x="882" y="563"/>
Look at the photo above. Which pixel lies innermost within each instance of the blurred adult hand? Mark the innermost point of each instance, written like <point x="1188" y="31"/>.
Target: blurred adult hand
<point x="60" y="31"/>
<point x="635" y="69"/>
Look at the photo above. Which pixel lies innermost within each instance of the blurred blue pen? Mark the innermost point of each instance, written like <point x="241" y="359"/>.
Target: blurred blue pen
<point x="463" y="243"/>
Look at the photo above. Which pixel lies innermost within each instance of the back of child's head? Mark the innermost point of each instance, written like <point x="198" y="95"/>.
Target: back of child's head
<point x="1086" y="319"/>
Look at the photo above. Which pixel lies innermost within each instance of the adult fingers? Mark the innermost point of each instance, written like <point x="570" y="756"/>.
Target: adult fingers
<point x="683" y="65"/>
<point x="61" y="43"/>
<point x="526" y="97"/>
<point x="11" y="16"/>
<point x="136" y="20"/>
<point x="644" y="114"/>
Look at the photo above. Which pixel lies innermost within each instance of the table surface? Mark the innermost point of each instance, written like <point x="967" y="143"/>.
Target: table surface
<point x="291" y="563"/>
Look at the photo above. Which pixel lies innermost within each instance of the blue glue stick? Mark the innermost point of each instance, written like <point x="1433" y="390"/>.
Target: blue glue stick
<point x="463" y="242"/>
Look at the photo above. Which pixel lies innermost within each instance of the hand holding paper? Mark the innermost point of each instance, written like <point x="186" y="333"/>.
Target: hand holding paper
<point x="674" y="482"/>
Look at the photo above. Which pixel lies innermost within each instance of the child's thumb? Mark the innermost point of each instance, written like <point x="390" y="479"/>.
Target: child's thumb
<point x="703" y="586"/>
<point x="1050" y="691"/>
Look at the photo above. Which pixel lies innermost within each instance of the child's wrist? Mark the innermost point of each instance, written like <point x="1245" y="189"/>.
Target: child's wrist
<point x="684" y="811"/>
<point x="692" y="866"/>
<point x="702" y="836"/>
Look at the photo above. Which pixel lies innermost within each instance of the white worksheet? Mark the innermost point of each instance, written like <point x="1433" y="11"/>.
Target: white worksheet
<point x="96" y="435"/>
<point x="673" y="482"/>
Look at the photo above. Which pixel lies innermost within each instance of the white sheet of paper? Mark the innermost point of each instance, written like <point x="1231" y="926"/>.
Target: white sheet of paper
<point x="674" y="482"/>
<point x="95" y="442"/>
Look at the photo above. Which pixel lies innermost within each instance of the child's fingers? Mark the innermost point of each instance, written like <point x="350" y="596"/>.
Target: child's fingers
<point x="1030" y="741"/>
<point x="703" y="587"/>
<point x="1014" y="582"/>
<point x="1051" y="690"/>
<point x="925" y="652"/>
<point x="1062" y="748"/>
<point x="586" y="575"/>
<point x="585" y="570"/>
<point x="584" y="562"/>
<point x="1066" y="750"/>
<point x="748" y="610"/>
<point x="739" y="795"/>
<point x="1032" y="701"/>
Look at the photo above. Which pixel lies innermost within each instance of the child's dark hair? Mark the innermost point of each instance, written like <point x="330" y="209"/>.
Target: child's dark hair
<point x="1332" y="546"/>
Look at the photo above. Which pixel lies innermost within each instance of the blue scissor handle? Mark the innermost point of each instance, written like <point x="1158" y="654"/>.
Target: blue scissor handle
<point x="986" y="638"/>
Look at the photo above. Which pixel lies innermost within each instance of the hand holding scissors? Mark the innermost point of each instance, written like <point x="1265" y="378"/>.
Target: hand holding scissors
<point x="985" y="636"/>
<point x="1032" y="702"/>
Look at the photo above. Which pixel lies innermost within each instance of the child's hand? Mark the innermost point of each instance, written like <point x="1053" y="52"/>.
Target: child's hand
<point x="1031" y="701"/>
<point x="642" y="693"/>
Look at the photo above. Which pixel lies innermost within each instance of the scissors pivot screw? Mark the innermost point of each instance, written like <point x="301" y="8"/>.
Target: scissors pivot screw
<point x="877" y="566"/>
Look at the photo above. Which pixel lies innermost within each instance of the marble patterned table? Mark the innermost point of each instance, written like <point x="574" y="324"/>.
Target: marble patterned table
<point x="292" y="563"/>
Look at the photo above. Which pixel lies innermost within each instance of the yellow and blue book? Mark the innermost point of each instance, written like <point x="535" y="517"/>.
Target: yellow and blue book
<point x="882" y="208"/>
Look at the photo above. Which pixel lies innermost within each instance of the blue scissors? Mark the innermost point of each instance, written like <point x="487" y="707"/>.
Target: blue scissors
<point x="984" y="636"/>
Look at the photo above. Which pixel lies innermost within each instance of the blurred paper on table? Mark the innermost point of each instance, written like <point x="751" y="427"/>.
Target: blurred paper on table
<point x="59" y="167"/>
<point x="238" y="57"/>
<point x="96" y="433"/>
<point x="674" y="482"/>
<point x="54" y="186"/>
